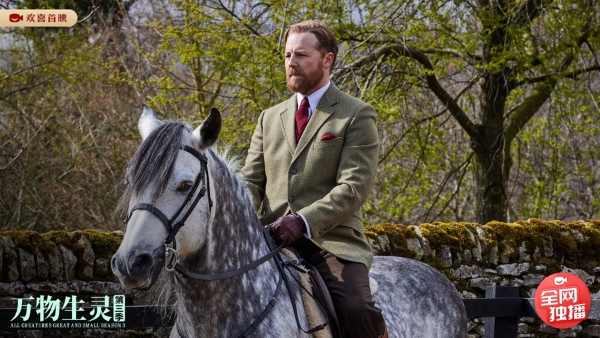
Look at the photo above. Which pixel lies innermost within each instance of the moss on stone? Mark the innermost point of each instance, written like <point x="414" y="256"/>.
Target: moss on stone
<point x="397" y="235"/>
<point x="590" y="248"/>
<point x="593" y="224"/>
<point x="104" y="244"/>
<point x="564" y="244"/>
<point x="575" y="244"/>
<point x="435" y="262"/>
<point x="552" y="266"/>
<point x="510" y="235"/>
<point x="438" y="234"/>
<point x="59" y="237"/>
<point x="22" y="239"/>
<point x="594" y="288"/>
<point x="43" y="244"/>
<point x="454" y="235"/>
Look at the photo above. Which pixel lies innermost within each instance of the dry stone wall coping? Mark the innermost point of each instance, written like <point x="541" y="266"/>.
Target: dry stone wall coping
<point x="57" y="256"/>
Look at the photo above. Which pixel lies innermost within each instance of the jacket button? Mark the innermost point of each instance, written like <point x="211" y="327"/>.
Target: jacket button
<point x="294" y="171"/>
<point x="291" y="200"/>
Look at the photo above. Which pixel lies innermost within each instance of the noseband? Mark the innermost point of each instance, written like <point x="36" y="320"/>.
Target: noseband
<point x="170" y="251"/>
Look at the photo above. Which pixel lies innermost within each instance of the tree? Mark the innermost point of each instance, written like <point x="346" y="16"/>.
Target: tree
<point x="486" y="110"/>
<point x="492" y="66"/>
<point x="60" y="139"/>
<point x="489" y="67"/>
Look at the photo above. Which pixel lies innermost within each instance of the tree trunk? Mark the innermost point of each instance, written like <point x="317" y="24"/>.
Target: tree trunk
<point x="492" y="172"/>
<point x="492" y="151"/>
<point x="490" y="146"/>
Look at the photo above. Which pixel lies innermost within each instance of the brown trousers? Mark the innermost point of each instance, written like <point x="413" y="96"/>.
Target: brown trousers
<point x="348" y="284"/>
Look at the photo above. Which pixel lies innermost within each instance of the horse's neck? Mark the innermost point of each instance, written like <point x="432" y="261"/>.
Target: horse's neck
<point x="235" y="239"/>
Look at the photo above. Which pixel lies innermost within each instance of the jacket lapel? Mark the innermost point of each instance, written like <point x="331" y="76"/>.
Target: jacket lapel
<point x="288" y="123"/>
<point x="323" y="111"/>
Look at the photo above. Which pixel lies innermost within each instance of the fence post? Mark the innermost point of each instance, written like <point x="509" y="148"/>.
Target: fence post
<point x="502" y="327"/>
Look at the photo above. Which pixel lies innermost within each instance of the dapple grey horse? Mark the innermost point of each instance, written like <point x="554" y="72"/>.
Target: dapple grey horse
<point x="188" y="214"/>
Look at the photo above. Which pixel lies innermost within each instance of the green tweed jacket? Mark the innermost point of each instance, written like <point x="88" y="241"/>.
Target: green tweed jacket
<point x="326" y="177"/>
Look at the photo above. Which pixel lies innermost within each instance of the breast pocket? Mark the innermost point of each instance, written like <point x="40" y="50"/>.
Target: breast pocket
<point x="336" y="142"/>
<point x="323" y="160"/>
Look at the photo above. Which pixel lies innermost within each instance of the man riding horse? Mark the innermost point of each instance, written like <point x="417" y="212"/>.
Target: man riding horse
<point x="309" y="171"/>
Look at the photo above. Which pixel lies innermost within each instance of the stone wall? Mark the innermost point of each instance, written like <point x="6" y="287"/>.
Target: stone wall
<point x="62" y="264"/>
<point x="473" y="256"/>
<point x="516" y="254"/>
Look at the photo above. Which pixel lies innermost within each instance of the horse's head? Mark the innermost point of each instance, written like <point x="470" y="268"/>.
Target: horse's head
<point x="167" y="185"/>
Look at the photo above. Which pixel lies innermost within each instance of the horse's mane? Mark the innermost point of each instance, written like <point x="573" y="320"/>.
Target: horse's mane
<point x="152" y="164"/>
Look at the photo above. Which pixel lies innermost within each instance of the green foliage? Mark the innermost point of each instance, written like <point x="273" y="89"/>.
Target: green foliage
<point x="555" y="160"/>
<point x="521" y="100"/>
<point x="61" y="140"/>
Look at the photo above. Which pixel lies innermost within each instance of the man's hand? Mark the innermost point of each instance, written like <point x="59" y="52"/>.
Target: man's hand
<point x="287" y="229"/>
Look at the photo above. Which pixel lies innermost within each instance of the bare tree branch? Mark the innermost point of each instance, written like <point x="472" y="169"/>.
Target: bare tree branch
<point x="432" y="82"/>
<point x="94" y="9"/>
<point x="529" y="107"/>
<point x="16" y="155"/>
<point x="570" y="75"/>
<point x="527" y="11"/>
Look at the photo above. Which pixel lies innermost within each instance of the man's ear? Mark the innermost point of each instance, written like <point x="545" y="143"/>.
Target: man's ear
<point x="328" y="60"/>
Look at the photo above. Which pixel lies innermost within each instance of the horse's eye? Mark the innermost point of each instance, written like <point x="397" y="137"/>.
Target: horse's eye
<point x="185" y="186"/>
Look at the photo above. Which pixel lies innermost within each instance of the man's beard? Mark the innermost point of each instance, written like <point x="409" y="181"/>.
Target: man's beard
<point x="307" y="83"/>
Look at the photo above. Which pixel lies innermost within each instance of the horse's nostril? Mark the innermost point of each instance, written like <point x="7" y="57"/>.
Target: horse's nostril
<point x="141" y="262"/>
<point x="114" y="264"/>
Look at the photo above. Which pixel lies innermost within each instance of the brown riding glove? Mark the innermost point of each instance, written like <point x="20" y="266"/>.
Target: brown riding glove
<point x="287" y="229"/>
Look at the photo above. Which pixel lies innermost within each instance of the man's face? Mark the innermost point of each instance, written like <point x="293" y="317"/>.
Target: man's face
<point x="306" y="68"/>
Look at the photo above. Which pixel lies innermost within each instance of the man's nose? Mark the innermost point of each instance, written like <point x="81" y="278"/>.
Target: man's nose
<point x="292" y="61"/>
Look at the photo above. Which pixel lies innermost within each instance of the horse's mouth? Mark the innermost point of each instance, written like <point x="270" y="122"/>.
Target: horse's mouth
<point x="155" y="271"/>
<point x="147" y="283"/>
<point x="145" y="287"/>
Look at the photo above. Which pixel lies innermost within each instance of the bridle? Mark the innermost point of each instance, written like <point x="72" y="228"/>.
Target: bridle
<point x="172" y="257"/>
<point x="171" y="254"/>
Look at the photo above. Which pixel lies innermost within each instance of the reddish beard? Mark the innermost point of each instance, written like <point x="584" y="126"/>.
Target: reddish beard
<point x="304" y="83"/>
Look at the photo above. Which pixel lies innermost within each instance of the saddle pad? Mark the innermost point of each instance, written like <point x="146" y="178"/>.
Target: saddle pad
<point x="314" y="315"/>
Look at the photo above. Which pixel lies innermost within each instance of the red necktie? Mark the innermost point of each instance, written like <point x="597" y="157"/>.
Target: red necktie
<point x="301" y="117"/>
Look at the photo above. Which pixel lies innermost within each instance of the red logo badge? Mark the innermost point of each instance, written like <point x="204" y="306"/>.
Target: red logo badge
<point x="14" y="17"/>
<point x="562" y="300"/>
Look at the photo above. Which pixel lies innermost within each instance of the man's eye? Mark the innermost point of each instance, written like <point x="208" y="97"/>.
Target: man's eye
<point x="185" y="186"/>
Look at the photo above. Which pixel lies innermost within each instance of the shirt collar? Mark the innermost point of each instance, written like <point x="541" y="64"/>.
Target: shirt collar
<point x="314" y="98"/>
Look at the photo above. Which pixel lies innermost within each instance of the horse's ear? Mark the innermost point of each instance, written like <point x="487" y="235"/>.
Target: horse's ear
<point x="148" y="122"/>
<point x="208" y="132"/>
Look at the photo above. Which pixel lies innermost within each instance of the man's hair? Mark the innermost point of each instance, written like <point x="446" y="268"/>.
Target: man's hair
<point x="326" y="38"/>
